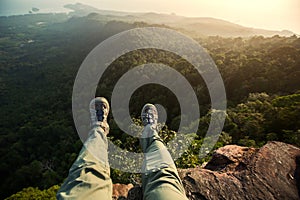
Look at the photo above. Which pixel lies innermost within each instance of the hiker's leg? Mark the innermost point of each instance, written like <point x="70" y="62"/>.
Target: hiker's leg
<point x="89" y="176"/>
<point x="160" y="177"/>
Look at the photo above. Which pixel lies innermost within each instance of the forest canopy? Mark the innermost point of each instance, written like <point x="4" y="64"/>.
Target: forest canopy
<point x="40" y="55"/>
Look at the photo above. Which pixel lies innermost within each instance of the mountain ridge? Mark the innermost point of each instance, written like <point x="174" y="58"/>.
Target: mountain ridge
<point x="206" y="26"/>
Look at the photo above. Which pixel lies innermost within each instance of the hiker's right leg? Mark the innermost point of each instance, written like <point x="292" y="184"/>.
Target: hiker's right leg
<point x="160" y="177"/>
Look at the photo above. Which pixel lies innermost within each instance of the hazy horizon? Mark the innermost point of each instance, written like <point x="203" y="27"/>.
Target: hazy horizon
<point x="266" y="14"/>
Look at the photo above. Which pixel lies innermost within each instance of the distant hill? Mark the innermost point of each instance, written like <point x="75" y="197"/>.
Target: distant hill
<point x="80" y="9"/>
<point x="193" y="25"/>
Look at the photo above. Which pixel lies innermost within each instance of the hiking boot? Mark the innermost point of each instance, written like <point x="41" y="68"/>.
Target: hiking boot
<point x="149" y="115"/>
<point x="99" y="109"/>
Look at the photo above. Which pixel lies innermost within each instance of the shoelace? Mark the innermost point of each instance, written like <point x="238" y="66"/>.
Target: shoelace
<point x="100" y="115"/>
<point x="148" y="118"/>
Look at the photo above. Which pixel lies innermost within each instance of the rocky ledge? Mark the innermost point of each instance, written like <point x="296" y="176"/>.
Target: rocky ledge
<point x="242" y="173"/>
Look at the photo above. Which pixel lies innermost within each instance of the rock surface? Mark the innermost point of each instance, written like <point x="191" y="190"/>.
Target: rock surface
<point x="234" y="172"/>
<point x="120" y="191"/>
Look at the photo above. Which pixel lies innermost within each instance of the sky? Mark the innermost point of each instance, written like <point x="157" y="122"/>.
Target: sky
<point x="266" y="14"/>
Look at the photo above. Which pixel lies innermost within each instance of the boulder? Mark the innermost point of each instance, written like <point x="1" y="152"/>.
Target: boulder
<point x="120" y="191"/>
<point x="271" y="172"/>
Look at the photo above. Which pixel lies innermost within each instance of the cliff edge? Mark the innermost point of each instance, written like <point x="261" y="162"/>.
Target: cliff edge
<point x="241" y="173"/>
